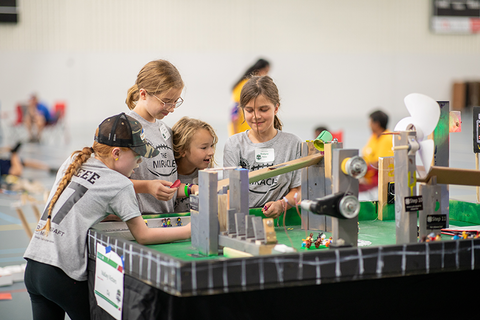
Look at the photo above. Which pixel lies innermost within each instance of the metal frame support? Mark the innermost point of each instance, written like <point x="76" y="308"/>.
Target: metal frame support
<point x="205" y="226"/>
<point x="239" y="190"/>
<point x="346" y="229"/>
<point x="313" y="186"/>
<point x="405" y="186"/>
<point x="317" y="183"/>
<point x="431" y="218"/>
<point x="441" y="138"/>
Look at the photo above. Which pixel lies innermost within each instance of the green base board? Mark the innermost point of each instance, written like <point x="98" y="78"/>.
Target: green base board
<point x="370" y="228"/>
<point x="458" y="210"/>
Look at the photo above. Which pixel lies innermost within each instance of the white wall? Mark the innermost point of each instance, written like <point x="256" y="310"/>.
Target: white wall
<point x="333" y="61"/>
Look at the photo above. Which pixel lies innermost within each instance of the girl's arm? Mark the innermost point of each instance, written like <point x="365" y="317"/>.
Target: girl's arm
<point x="160" y="189"/>
<point x="146" y="235"/>
<point x="275" y="208"/>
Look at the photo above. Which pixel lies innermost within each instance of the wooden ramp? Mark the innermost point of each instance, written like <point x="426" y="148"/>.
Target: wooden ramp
<point x="447" y="175"/>
<point x="277" y="169"/>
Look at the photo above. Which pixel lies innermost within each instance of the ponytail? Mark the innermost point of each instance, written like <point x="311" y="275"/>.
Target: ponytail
<point x="81" y="157"/>
<point x="277" y="124"/>
<point x="132" y="97"/>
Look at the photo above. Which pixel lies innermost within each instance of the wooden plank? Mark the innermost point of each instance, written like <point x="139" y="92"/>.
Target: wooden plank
<point x="25" y="225"/>
<point x="447" y="175"/>
<point x="278" y="169"/>
<point x="386" y="174"/>
<point x="222" y="211"/>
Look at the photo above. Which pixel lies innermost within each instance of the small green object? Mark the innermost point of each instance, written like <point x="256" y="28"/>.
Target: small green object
<point x="437" y="205"/>
<point x="323" y="137"/>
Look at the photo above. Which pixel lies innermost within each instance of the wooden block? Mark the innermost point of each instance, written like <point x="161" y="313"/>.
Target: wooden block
<point x="222" y="211"/>
<point x="278" y="169"/>
<point x="270" y="235"/>
<point x="234" y="253"/>
<point x="447" y="175"/>
<point x="386" y="174"/>
<point x="459" y="97"/>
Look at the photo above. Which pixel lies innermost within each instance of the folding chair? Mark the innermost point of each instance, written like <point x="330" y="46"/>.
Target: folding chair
<point x="57" y="129"/>
<point x="17" y="130"/>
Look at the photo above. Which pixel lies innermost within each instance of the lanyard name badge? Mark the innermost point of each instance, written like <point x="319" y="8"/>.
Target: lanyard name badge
<point x="264" y="155"/>
<point x="164" y="131"/>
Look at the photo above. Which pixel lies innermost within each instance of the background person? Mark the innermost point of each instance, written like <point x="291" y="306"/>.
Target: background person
<point x="37" y="116"/>
<point x="14" y="164"/>
<point x="379" y="145"/>
<point x="237" y="123"/>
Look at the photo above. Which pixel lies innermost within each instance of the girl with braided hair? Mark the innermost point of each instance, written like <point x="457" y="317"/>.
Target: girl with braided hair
<point x="90" y="185"/>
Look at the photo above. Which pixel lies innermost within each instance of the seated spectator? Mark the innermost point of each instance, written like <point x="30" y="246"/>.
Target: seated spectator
<point x="319" y="130"/>
<point x="37" y="116"/>
<point x="14" y="164"/>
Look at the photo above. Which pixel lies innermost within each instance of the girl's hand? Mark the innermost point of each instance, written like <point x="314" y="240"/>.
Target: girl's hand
<point x="273" y="209"/>
<point x="161" y="190"/>
<point x="194" y="188"/>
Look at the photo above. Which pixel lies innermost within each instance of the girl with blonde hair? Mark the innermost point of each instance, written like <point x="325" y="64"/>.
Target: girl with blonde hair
<point x="194" y="144"/>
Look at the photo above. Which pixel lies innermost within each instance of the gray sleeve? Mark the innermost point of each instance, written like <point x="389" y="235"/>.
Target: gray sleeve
<point x="125" y="204"/>
<point x="231" y="153"/>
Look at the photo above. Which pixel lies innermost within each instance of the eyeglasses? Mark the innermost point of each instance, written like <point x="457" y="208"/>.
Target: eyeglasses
<point x="175" y="105"/>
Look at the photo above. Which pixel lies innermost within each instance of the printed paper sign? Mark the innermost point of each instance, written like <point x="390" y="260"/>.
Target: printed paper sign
<point x="109" y="281"/>
<point x="436" y="221"/>
<point x="264" y="155"/>
<point x="413" y="203"/>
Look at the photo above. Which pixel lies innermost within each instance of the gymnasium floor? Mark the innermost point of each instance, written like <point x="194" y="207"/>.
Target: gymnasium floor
<point x="13" y="239"/>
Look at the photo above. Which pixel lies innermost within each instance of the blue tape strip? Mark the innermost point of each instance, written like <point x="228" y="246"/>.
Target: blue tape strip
<point x="9" y="218"/>
<point x="108" y="249"/>
<point x="12" y="259"/>
<point x="15" y="250"/>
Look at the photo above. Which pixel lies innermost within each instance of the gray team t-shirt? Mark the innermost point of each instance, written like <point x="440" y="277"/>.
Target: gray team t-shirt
<point x="95" y="192"/>
<point x="161" y="167"/>
<point x="241" y="151"/>
<point x="183" y="204"/>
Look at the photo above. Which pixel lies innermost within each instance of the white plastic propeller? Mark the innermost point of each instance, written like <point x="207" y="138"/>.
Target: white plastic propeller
<point x="424" y="115"/>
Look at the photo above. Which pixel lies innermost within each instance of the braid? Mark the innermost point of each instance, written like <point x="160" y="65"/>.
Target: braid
<point x="82" y="156"/>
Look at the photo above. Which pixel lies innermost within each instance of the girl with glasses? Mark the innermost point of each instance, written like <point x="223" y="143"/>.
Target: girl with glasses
<point x="156" y="94"/>
<point x="264" y="145"/>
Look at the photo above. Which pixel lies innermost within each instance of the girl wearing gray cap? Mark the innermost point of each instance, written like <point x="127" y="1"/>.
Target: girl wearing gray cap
<point x="96" y="184"/>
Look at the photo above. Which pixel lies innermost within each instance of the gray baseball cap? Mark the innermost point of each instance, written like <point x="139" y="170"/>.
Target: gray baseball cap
<point x="124" y="131"/>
